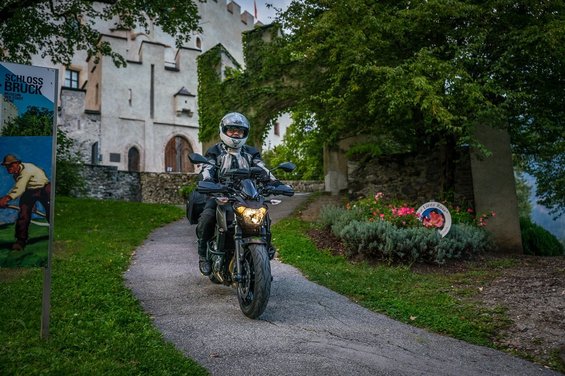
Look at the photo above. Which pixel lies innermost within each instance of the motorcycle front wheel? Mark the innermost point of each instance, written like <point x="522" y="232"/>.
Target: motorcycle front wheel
<point x="254" y="290"/>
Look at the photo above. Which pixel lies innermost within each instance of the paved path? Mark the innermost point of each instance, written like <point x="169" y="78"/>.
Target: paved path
<point x="305" y="330"/>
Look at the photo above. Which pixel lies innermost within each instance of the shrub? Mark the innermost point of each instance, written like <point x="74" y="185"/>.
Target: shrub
<point x="186" y="190"/>
<point x="464" y="241"/>
<point x="538" y="241"/>
<point x="332" y="216"/>
<point x="384" y="240"/>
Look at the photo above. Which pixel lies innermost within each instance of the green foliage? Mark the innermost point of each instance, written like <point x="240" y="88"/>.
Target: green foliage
<point x="186" y="190"/>
<point x="523" y="193"/>
<point x="211" y="101"/>
<point x="97" y="327"/>
<point x="59" y="29"/>
<point x="415" y="74"/>
<point x="258" y="92"/>
<point x="39" y="122"/>
<point x="303" y="146"/>
<point x="335" y="218"/>
<point x="538" y="241"/>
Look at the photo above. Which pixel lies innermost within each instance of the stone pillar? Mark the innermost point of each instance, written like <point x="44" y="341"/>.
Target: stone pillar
<point x="336" y="166"/>
<point x="494" y="189"/>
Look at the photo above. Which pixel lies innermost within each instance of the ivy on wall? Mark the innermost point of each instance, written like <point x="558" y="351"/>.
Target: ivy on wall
<point x="260" y="92"/>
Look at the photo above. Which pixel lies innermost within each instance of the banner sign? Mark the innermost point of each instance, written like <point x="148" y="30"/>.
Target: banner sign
<point x="28" y="102"/>
<point x="435" y="215"/>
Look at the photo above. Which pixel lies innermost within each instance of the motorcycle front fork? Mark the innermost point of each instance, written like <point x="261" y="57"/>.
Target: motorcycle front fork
<point x="240" y="251"/>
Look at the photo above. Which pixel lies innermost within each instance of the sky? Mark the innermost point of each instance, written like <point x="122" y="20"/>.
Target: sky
<point x="264" y="14"/>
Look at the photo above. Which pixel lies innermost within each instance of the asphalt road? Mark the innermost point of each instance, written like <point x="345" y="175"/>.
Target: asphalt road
<point x="305" y="330"/>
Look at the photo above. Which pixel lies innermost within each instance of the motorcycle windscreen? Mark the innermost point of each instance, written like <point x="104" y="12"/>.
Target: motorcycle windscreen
<point x="248" y="189"/>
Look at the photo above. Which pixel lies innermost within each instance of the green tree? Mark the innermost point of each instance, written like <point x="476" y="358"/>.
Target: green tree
<point x="58" y="29"/>
<point x="301" y="145"/>
<point x="39" y="122"/>
<point x="428" y="72"/>
<point x="523" y="192"/>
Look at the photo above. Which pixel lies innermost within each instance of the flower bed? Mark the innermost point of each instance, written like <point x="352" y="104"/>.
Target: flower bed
<point x="392" y="231"/>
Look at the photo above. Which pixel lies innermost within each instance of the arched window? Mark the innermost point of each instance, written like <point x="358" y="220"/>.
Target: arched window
<point x="94" y="154"/>
<point x="133" y="159"/>
<point x="198" y="42"/>
<point x="176" y="155"/>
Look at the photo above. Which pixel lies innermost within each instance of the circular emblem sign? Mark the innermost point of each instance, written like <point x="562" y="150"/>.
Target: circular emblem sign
<point x="435" y="215"/>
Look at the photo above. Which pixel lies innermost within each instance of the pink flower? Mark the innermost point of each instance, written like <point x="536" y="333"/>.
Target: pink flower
<point x="434" y="220"/>
<point x="378" y="196"/>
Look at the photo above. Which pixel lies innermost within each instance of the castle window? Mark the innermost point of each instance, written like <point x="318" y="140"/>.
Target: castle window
<point x="277" y="129"/>
<point x="94" y="155"/>
<point x="71" y="78"/>
<point x="198" y="42"/>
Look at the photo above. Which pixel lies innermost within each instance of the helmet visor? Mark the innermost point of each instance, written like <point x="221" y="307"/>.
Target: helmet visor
<point x="235" y="131"/>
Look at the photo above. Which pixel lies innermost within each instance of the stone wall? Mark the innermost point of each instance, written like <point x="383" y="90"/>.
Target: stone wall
<point x="305" y="185"/>
<point x="415" y="177"/>
<point x="163" y="188"/>
<point x="107" y="182"/>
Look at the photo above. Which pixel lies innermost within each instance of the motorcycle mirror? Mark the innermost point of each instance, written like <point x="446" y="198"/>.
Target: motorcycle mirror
<point x="196" y="158"/>
<point x="287" y="166"/>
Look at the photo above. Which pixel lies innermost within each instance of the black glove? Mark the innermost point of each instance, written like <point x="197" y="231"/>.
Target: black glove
<point x="275" y="183"/>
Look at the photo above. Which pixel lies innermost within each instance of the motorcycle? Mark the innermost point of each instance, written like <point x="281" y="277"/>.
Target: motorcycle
<point x="240" y="250"/>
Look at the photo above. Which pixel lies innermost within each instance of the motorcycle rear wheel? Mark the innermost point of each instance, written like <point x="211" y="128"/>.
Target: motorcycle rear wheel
<point x="254" y="290"/>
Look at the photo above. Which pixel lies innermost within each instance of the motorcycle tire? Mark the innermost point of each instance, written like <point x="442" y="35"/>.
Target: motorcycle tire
<point x="254" y="290"/>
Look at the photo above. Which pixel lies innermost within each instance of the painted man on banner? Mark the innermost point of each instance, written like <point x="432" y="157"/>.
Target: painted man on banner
<point x="31" y="185"/>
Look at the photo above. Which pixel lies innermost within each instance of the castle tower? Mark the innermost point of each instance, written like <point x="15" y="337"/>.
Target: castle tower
<point x="144" y="117"/>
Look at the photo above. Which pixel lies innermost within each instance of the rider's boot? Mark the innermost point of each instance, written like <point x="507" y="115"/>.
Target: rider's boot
<point x="203" y="263"/>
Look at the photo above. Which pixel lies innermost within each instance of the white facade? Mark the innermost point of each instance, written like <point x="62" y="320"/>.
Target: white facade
<point x="144" y="117"/>
<point x="276" y="134"/>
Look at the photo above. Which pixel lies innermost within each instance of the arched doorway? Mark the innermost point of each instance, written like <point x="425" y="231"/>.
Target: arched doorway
<point x="176" y="155"/>
<point x="133" y="159"/>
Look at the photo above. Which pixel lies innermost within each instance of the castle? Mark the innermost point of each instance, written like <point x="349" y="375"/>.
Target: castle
<point x="144" y="117"/>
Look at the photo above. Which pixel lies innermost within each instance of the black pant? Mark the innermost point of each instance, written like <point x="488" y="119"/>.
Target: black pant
<point x="27" y="202"/>
<point x="205" y="226"/>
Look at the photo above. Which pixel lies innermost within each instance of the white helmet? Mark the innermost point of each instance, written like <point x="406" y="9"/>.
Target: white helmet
<point x="234" y="120"/>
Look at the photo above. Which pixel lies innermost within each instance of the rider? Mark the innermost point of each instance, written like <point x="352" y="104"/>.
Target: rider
<point x="228" y="154"/>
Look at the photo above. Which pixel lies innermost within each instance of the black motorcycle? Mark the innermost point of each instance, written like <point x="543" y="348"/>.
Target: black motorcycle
<point x="241" y="250"/>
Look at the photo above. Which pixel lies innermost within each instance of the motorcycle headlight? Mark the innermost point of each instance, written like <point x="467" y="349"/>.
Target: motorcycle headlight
<point x="251" y="216"/>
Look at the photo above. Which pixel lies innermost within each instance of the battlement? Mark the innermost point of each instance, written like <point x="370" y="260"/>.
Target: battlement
<point x="235" y="9"/>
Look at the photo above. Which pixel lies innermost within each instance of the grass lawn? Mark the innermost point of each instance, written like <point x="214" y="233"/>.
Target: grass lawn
<point x="433" y="301"/>
<point x="34" y="254"/>
<point x="439" y="301"/>
<point x="97" y="326"/>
